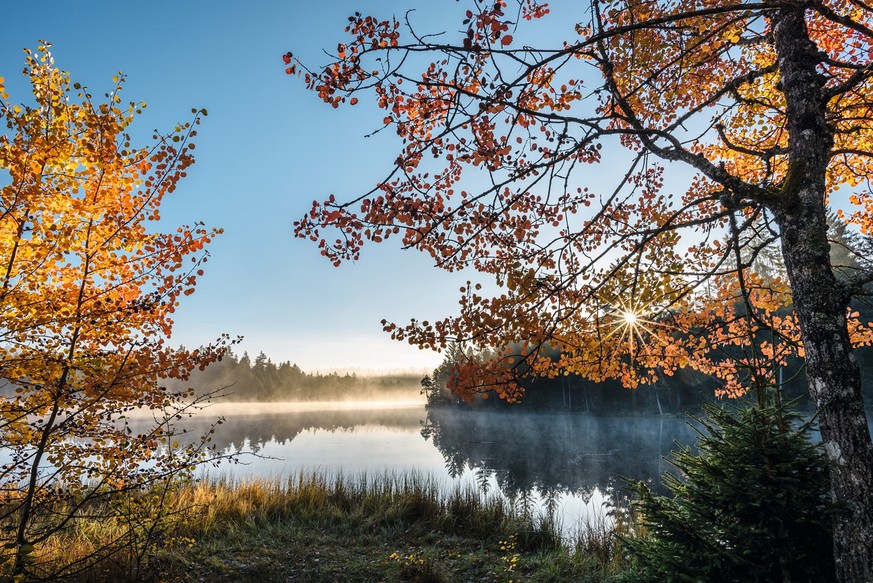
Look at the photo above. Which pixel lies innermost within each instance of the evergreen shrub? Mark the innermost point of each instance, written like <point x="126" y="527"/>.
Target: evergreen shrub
<point x="751" y="504"/>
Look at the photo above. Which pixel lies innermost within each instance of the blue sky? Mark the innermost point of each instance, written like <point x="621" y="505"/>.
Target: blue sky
<point x="266" y="150"/>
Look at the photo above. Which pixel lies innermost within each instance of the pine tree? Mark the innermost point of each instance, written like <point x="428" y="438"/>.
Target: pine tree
<point x="752" y="504"/>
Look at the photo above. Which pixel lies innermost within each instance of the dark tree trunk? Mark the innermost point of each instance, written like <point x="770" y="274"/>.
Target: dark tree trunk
<point x="820" y="301"/>
<point x="835" y="387"/>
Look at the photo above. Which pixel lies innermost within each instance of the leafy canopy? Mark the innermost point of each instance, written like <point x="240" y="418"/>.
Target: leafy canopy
<point x="558" y="170"/>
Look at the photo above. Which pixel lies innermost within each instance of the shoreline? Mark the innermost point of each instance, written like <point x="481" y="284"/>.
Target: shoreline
<point x="315" y="528"/>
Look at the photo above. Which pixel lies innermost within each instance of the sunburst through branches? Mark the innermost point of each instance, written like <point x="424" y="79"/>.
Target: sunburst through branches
<point x="634" y="323"/>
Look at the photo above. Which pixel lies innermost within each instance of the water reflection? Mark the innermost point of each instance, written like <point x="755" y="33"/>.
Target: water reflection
<point x="548" y="454"/>
<point x="564" y="464"/>
<point x="252" y="426"/>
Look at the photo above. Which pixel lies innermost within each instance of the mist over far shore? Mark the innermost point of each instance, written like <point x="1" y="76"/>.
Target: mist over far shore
<point x="366" y="373"/>
<point x="246" y="379"/>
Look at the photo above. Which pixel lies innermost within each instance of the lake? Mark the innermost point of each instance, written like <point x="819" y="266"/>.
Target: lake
<point x="569" y="464"/>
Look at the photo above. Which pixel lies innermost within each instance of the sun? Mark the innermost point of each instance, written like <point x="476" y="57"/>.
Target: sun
<point x="631" y="324"/>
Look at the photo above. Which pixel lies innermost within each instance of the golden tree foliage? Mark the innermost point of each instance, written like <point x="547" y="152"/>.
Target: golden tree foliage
<point x="88" y="287"/>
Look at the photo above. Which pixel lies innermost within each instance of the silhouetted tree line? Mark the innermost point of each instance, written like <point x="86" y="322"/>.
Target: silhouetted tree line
<point x="239" y="378"/>
<point x="685" y="391"/>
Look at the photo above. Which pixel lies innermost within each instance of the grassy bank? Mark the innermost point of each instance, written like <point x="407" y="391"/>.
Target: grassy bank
<point x="391" y="528"/>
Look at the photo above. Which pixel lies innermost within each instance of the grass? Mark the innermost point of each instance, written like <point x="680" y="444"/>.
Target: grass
<point x="312" y="528"/>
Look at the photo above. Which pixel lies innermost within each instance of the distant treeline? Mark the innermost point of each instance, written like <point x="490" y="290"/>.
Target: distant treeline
<point x="239" y="378"/>
<point x="685" y="391"/>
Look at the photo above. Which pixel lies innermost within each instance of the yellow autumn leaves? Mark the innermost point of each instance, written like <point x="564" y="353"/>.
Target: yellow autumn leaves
<point x="88" y="286"/>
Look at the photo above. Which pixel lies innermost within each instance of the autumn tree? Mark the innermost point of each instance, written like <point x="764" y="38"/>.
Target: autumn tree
<point x="546" y="162"/>
<point x="605" y="168"/>
<point x="88" y="287"/>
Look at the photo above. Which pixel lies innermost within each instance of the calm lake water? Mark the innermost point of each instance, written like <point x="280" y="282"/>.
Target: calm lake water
<point x="567" y="463"/>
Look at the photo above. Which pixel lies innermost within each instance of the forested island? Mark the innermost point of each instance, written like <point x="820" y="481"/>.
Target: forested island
<point x="685" y="391"/>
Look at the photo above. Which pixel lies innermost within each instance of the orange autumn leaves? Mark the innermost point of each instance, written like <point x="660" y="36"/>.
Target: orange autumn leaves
<point x="535" y="167"/>
<point x="88" y="282"/>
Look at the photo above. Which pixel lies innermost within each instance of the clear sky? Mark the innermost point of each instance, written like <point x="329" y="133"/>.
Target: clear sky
<point x="266" y="150"/>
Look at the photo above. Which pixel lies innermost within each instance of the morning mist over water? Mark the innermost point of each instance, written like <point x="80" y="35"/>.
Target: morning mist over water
<point x="567" y="463"/>
<point x="565" y="450"/>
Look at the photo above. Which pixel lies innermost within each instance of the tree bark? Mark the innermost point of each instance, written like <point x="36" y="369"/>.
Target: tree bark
<point x="821" y="301"/>
<point x="835" y="387"/>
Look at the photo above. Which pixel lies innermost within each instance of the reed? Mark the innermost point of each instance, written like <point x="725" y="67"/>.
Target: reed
<point x="313" y="527"/>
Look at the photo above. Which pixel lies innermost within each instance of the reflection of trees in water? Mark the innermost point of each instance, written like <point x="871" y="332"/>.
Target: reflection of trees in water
<point x="528" y="455"/>
<point x="257" y="429"/>
<point x="549" y="455"/>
